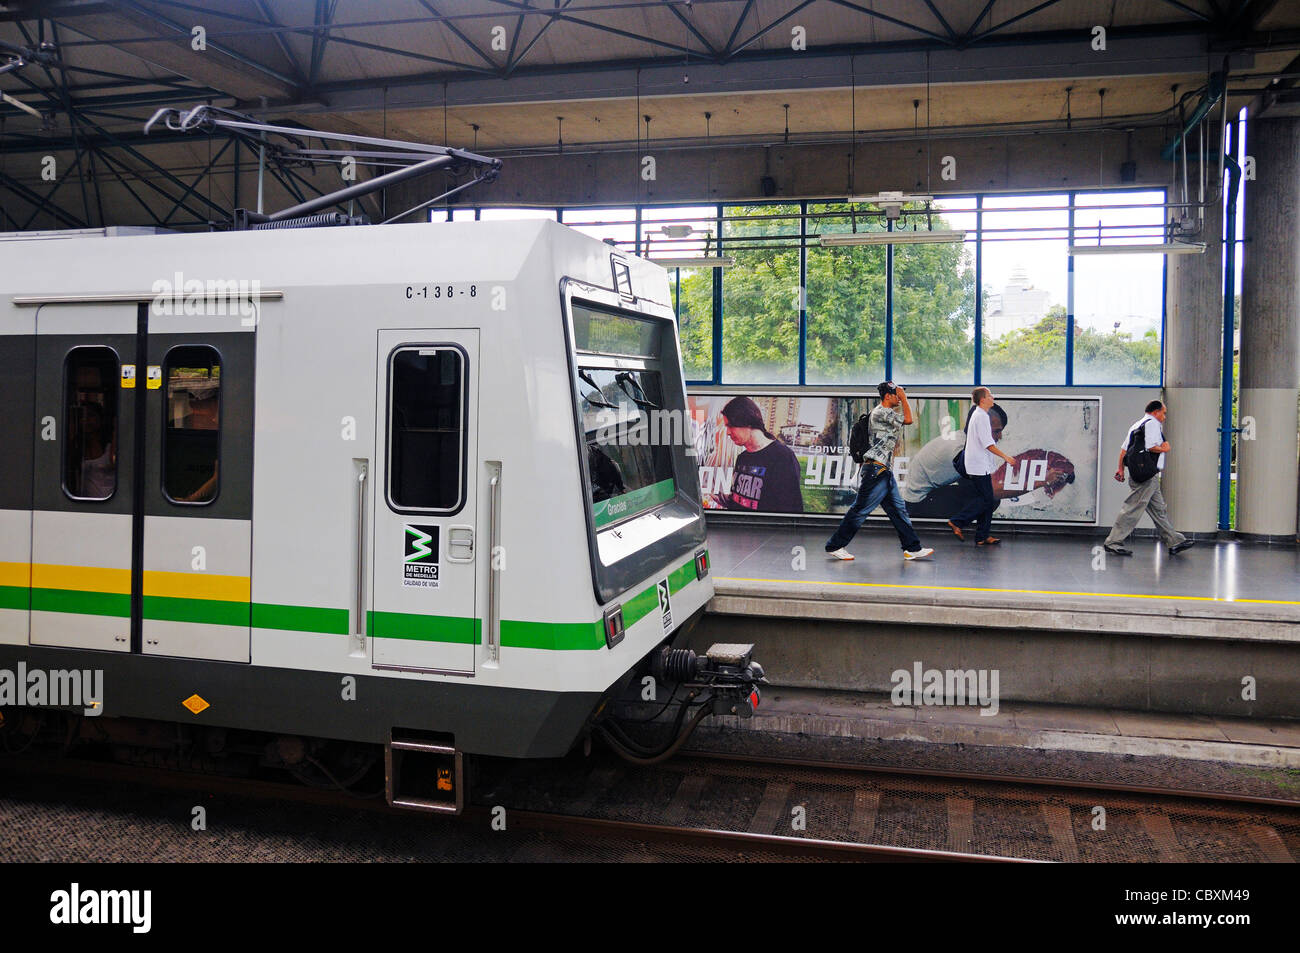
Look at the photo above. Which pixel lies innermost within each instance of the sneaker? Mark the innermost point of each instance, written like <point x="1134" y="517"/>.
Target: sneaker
<point x="956" y="530"/>
<point x="918" y="554"/>
<point x="1118" y="550"/>
<point x="840" y="553"/>
<point x="1185" y="544"/>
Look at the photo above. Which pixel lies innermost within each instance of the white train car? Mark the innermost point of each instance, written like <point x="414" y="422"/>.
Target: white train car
<point x="345" y="483"/>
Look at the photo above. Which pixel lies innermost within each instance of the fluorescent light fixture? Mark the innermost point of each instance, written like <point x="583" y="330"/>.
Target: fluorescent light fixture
<point x="1169" y="248"/>
<point x="892" y="238"/>
<point x="703" y="261"/>
<point x="20" y="104"/>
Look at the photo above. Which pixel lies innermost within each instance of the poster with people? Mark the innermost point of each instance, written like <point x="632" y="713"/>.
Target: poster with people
<point x="790" y="454"/>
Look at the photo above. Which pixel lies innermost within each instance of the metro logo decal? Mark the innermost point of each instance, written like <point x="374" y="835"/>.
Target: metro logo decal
<point x="420" y="559"/>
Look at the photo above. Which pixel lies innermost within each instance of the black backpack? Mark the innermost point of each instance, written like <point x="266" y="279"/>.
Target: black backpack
<point x="860" y="439"/>
<point x="1141" y="462"/>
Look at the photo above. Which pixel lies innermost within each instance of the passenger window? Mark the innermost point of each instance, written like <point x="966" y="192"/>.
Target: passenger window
<point x="91" y="376"/>
<point x="426" y="429"/>
<point x="192" y="429"/>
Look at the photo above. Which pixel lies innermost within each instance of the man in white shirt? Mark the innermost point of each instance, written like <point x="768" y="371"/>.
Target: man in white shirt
<point x="981" y="460"/>
<point x="1145" y="496"/>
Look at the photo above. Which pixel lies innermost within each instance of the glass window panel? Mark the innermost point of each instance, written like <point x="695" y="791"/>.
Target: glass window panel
<point x="760" y="294"/>
<point x="934" y="301"/>
<point x="629" y="470"/>
<point x="618" y="224"/>
<point x="1024" y="244"/>
<point x="692" y="290"/>
<point x="426" y="429"/>
<point x="91" y="383"/>
<point x="846" y="300"/>
<point x="513" y="214"/>
<point x="1118" y="299"/>
<point x="192" y="429"/>
<point x="608" y="333"/>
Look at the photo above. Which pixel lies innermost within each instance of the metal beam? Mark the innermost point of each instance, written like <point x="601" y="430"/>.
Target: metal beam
<point x="121" y="180"/>
<point x="324" y="15"/>
<point x="771" y="26"/>
<point x="283" y="43"/>
<point x="204" y="173"/>
<point x="615" y="31"/>
<point x="1016" y="19"/>
<point x="704" y="41"/>
<point x="460" y="34"/>
<point x="117" y="163"/>
<point x="40" y="203"/>
<point x="894" y="20"/>
<point x="1186" y="9"/>
<point x="515" y="60"/>
<point x="184" y="31"/>
<point x="1168" y="49"/>
<point x="942" y="22"/>
<point x="735" y="31"/>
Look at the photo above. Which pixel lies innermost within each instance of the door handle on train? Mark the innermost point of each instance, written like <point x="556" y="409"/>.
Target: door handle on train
<point x="460" y="544"/>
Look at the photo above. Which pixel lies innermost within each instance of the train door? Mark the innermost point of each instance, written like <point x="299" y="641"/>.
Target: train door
<point x="84" y="475"/>
<point x="197" y="534"/>
<point x="142" y="473"/>
<point x="424" y="614"/>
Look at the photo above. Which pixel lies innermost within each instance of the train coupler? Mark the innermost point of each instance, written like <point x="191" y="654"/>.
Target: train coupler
<point x="726" y="672"/>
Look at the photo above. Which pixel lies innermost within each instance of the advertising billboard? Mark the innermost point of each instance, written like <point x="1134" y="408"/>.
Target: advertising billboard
<point x="796" y="459"/>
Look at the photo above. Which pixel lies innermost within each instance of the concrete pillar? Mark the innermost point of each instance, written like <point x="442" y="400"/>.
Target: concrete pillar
<point x="1193" y="346"/>
<point x="1270" y="333"/>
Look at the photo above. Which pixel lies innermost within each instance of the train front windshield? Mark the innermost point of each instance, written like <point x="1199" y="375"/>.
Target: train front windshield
<point x="632" y="409"/>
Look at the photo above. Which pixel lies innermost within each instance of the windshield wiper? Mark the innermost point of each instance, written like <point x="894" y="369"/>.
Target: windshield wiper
<point x="643" y="401"/>
<point x="599" y="399"/>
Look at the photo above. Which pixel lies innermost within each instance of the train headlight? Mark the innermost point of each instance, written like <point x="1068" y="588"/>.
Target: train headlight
<point x="701" y="564"/>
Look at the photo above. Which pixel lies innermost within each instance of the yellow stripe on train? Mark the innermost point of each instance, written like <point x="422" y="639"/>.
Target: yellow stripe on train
<point x="183" y="585"/>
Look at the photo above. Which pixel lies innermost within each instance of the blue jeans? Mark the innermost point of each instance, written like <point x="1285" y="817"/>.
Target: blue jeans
<point x="879" y="490"/>
<point x="979" y="510"/>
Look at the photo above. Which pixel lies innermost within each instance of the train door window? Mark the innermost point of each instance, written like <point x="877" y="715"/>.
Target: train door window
<point x="192" y="426"/>
<point x="91" y="382"/>
<point x="426" y="423"/>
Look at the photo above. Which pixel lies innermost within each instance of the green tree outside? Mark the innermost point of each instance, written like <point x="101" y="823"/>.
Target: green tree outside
<point x="934" y="313"/>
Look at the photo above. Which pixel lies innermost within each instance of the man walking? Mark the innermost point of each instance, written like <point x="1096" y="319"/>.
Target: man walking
<point x="1145" y="436"/>
<point x="981" y="460"/>
<point x="877" y="485"/>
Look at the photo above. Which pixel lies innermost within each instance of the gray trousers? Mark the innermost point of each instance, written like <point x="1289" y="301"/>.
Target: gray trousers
<point x="1145" y="498"/>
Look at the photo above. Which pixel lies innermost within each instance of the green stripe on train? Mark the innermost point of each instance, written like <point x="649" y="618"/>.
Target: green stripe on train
<point x="563" y="636"/>
<point x="14" y="597"/>
<point x="81" y="603"/>
<point x="681" y="577"/>
<point x="423" y="628"/>
<point x="640" y="606"/>
<point x="211" y="611"/>
<point x="268" y="615"/>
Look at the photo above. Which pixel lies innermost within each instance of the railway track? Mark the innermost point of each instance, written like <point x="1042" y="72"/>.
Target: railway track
<point x="700" y="807"/>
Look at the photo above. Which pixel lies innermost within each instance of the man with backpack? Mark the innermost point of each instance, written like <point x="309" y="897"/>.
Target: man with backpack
<point x="872" y="443"/>
<point x="1143" y="452"/>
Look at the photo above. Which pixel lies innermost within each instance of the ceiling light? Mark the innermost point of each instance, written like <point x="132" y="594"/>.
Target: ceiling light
<point x="702" y="261"/>
<point x="1169" y="248"/>
<point x="893" y="238"/>
<point x="20" y="104"/>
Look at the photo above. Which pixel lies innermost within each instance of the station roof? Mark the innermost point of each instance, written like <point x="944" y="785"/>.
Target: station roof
<point x="518" y="76"/>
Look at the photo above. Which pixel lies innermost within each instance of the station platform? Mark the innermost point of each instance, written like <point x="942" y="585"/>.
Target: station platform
<point x="1237" y="756"/>
<point x="1212" y="631"/>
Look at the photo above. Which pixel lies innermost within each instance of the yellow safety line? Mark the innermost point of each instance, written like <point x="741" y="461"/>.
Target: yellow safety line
<point x="1023" y="592"/>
